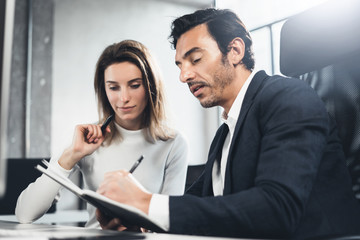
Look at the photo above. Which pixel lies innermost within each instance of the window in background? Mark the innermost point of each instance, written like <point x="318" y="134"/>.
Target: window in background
<point x="276" y="28"/>
<point x="262" y="48"/>
<point x="266" y="41"/>
<point x="264" y="20"/>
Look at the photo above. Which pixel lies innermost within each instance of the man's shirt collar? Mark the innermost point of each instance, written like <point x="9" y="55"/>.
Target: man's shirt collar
<point x="231" y="118"/>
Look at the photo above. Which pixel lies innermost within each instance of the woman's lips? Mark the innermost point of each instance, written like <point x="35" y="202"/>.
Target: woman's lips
<point x="126" y="109"/>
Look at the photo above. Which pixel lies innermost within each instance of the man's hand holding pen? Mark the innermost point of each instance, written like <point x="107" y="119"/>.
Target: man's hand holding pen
<point x="122" y="187"/>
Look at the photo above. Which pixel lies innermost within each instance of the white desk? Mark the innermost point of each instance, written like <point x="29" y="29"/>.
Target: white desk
<point x="59" y="217"/>
<point x="46" y="232"/>
<point x="9" y="227"/>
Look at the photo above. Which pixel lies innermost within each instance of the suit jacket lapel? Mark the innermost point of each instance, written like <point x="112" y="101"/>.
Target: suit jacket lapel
<point x="254" y="87"/>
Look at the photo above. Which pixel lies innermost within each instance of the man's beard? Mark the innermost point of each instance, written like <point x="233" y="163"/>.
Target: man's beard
<point x="222" y="78"/>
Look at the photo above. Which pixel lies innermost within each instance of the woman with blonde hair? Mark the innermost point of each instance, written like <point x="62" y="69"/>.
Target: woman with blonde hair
<point x="128" y="87"/>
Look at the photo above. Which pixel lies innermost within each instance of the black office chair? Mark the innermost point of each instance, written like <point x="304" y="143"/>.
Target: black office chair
<point x="322" y="47"/>
<point x="21" y="172"/>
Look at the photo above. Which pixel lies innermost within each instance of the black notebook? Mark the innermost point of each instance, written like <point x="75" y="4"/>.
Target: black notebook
<point x="129" y="215"/>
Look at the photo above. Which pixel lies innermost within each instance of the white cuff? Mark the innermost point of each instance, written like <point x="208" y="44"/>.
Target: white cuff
<point x="159" y="210"/>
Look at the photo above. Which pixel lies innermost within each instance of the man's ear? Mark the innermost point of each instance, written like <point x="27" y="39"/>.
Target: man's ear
<point x="236" y="51"/>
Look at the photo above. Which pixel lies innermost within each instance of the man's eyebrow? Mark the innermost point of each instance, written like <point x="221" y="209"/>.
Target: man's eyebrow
<point x="194" y="49"/>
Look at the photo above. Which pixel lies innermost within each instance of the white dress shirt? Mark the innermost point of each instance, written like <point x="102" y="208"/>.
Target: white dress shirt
<point x="230" y="119"/>
<point x="159" y="204"/>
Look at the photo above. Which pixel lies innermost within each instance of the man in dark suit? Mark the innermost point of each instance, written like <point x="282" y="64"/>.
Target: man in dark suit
<point x="275" y="169"/>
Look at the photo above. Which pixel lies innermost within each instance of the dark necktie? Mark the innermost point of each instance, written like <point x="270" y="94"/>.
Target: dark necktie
<point x="217" y="182"/>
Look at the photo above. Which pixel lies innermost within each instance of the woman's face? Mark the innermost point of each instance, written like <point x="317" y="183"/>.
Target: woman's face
<point x="126" y="93"/>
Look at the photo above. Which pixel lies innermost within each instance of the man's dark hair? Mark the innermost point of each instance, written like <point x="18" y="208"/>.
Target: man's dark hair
<point x="223" y="25"/>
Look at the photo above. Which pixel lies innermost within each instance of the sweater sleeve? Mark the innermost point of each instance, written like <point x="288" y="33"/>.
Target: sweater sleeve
<point x="37" y="198"/>
<point x="176" y="168"/>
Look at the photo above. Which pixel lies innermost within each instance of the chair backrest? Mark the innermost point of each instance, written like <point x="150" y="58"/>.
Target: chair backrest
<point x="21" y="172"/>
<point x="322" y="47"/>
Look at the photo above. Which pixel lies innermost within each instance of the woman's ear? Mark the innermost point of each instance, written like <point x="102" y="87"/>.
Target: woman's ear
<point x="236" y="51"/>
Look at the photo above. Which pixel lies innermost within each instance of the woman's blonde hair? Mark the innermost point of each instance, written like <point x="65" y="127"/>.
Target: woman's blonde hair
<point x="153" y="116"/>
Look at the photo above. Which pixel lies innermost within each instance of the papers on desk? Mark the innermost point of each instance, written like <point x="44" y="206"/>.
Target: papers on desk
<point x="130" y="216"/>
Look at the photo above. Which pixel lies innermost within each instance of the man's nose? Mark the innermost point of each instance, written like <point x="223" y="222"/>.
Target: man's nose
<point x="186" y="75"/>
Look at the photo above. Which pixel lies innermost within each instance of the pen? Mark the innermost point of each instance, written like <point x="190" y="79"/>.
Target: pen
<point x="106" y="123"/>
<point x="136" y="164"/>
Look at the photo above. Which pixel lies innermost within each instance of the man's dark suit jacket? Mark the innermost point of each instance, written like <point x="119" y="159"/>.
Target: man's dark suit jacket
<point x="285" y="177"/>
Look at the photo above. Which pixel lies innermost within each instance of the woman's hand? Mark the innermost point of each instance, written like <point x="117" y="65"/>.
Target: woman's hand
<point x="87" y="138"/>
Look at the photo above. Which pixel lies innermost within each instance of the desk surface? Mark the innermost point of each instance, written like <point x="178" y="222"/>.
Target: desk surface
<point x="59" y="217"/>
<point x="46" y="231"/>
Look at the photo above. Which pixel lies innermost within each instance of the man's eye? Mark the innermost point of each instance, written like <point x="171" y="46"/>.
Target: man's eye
<point x="196" y="60"/>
